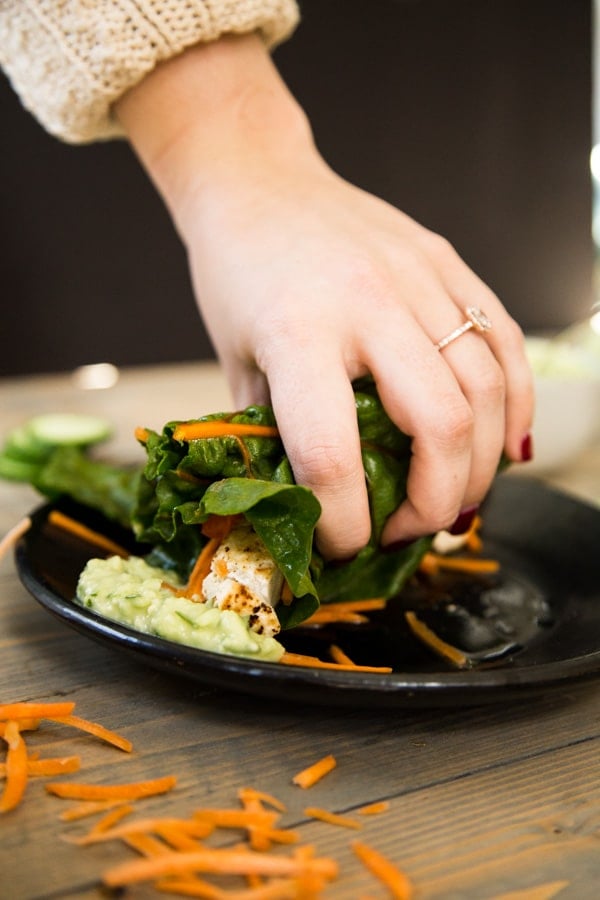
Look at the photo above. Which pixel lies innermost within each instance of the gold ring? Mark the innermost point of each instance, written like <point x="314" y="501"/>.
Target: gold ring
<point x="476" y="319"/>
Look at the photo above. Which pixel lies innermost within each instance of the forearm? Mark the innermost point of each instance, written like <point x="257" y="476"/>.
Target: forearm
<point x="214" y="113"/>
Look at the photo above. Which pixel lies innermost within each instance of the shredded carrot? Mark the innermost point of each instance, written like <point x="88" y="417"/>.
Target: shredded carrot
<point x="131" y="791"/>
<point x="11" y="537"/>
<point x="432" y="563"/>
<point x="86" y="534"/>
<point x="146" y="844"/>
<point x="98" y="731"/>
<point x="28" y="710"/>
<point x="191" y="887"/>
<point x="300" y="659"/>
<point x="217" y="861"/>
<point x="287" y="595"/>
<point x="89" y="808"/>
<point x="422" y="631"/>
<point x="374" y="809"/>
<point x="201" y="568"/>
<point x="218" y="526"/>
<point x="16" y="767"/>
<point x="61" y="765"/>
<point x="157" y="825"/>
<point x="194" y="431"/>
<point x="141" y="434"/>
<point x="379" y="865"/>
<point x="309" y="776"/>
<point x="113" y="817"/>
<point x="473" y="540"/>
<point x="339" y="656"/>
<point x="24" y="725"/>
<point x="323" y="815"/>
<point x="332" y="612"/>
<point x="247" y="795"/>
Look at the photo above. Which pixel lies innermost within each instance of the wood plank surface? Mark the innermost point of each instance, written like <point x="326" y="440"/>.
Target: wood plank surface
<point x="501" y="802"/>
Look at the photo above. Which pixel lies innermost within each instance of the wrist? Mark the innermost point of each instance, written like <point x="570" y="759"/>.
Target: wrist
<point x="216" y="113"/>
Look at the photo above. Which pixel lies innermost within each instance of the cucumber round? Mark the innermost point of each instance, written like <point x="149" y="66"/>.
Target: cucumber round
<point x="67" y="429"/>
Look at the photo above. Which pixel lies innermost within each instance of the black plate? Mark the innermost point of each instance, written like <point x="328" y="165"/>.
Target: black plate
<point x="547" y="545"/>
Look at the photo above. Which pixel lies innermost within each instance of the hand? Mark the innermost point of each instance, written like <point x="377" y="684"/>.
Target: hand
<point x="306" y="282"/>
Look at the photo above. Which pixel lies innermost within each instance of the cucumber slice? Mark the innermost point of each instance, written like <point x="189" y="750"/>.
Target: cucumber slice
<point x="73" y="429"/>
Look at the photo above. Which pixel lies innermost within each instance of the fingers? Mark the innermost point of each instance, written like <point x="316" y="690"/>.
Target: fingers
<point x="314" y="406"/>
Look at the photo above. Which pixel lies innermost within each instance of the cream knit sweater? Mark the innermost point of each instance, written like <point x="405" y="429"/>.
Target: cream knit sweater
<point x="70" y="60"/>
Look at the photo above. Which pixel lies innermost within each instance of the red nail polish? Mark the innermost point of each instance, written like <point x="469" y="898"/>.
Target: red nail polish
<point x="527" y="448"/>
<point x="464" y="520"/>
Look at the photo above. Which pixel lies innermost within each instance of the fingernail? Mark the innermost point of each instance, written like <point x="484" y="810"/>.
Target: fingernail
<point x="464" y="520"/>
<point x="527" y="448"/>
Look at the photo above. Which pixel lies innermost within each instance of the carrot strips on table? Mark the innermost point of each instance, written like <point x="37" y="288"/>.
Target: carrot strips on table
<point x="132" y="791"/>
<point x="99" y="731"/>
<point x="60" y="765"/>
<point x="11" y="537"/>
<point x="216" y="861"/>
<point x="89" y="808"/>
<point x="374" y="809"/>
<point x="194" y="431"/>
<point x="33" y="710"/>
<point x="315" y="772"/>
<point x="323" y="815"/>
<point x="111" y="818"/>
<point x="379" y="865"/>
<point x="16" y="767"/>
<point x="89" y="535"/>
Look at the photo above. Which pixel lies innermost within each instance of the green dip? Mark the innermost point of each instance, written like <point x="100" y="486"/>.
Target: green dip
<point x="131" y="592"/>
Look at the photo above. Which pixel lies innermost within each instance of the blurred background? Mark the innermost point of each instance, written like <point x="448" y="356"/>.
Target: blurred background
<point x="473" y="116"/>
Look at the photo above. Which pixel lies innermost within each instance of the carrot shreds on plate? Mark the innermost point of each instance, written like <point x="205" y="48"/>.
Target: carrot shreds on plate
<point x="55" y="517"/>
<point x="26" y="710"/>
<point x="390" y="875"/>
<point x="339" y="656"/>
<point x="217" y="861"/>
<point x="345" y="611"/>
<point x="313" y="662"/>
<point x="194" y="431"/>
<point x="131" y="791"/>
<point x="432" y="563"/>
<point x="324" y="815"/>
<point x="11" y="537"/>
<point x="97" y="730"/>
<point x="374" y="809"/>
<point x="422" y="631"/>
<point x="313" y="773"/>
<point x="16" y="767"/>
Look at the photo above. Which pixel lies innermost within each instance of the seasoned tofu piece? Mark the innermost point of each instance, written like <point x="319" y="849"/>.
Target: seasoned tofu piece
<point x="243" y="577"/>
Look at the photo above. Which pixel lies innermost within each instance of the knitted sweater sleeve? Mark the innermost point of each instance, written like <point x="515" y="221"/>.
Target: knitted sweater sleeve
<point x="70" y="60"/>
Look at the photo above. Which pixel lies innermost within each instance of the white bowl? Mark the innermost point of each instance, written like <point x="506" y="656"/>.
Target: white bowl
<point x="567" y="414"/>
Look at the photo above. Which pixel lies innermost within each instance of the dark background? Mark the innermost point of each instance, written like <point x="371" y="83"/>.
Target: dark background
<point x="474" y="116"/>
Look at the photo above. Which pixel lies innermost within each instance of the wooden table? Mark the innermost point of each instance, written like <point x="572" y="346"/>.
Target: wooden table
<point x="500" y="801"/>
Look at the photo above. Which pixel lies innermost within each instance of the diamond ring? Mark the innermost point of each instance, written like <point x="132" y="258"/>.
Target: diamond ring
<point x="476" y="319"/>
